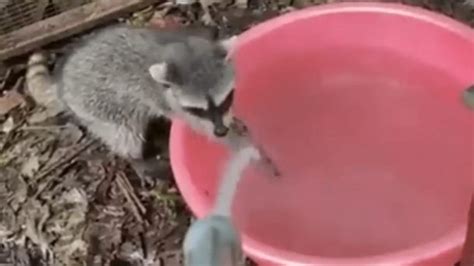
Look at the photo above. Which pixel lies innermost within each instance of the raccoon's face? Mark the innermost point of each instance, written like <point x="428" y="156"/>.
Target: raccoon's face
<point x="211" y="112"/>
<point x="200" y="85"/>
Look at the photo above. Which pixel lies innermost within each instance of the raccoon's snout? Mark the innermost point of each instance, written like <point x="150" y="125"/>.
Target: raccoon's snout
<point x="220" y="131"/>
<point x="217" y="119"/>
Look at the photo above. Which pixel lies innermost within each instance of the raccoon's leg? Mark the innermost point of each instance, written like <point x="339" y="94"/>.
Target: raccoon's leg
<point x="155" y="149"/>
<point x="131" y="145"/>
<point x="151" y="169"/>
<point x="239" y="137"/>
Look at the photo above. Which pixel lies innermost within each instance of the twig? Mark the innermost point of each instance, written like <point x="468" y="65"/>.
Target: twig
<point x="18" y="84"/>
<point x="34" y="128"/>
<point x="133" y="195"/>
<point x="10" y="135"/>
<point x="68" y="161"/>
<point x="137" y="208"/>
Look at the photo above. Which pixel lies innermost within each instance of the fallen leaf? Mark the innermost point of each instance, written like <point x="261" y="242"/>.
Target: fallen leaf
<point x="242" y="4"/>
<point x="185" y="2"/>
<point x="10" y="100"/>
<point x="8" y="223"/>
<point x="8" y="125"/>
<point x="69" y="135"/>
<point x="35" y="216"/>
<point x="41" y="116"/>
<point x="142" y="17"/>
<point x="30" y="167"/>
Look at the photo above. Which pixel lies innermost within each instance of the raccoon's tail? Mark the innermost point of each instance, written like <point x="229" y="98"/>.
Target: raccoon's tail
<point x="40" y="84"/>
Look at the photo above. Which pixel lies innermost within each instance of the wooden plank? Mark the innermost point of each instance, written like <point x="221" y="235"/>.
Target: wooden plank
<point x="66" y="24"/>
<point x="468" y="250"/>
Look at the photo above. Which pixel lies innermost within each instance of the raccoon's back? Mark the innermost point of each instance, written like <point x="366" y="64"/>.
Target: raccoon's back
<point x="111" y="56"/>
<point x="110" y="70"/>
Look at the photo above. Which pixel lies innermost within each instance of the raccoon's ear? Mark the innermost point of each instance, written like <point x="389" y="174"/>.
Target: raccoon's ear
<point x="159" y="72"/>
<point x="229" y="43"/>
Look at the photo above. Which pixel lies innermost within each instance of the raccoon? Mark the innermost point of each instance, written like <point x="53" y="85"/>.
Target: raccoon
<point x="120" y="79"/>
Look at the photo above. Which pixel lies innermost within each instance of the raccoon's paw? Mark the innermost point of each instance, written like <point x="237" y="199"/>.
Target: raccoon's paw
<point x="239" y="138"/>
<point x="239" y="127"/>
<point x="151" y="171"/>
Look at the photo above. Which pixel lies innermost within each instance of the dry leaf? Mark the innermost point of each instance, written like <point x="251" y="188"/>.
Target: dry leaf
<point x="36" y="214"/>
<point x="8" y="125"/>
<point x="65" y="5"/>
<point x="8" y="223"/>
<point x="13" y="188"/>
<point x="30" y="167"/>
<point x="3" y="4"/>
<point x="142" y="17"/>
<point x="69" y="135"/>
<point x="67" y="225"/>
<point x="39" y="10"/>
<point x="242" y="4"/>
<point x="41" y="116"/>
<point x="10" y="100"/>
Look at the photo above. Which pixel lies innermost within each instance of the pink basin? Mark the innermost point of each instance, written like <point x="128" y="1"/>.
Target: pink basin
<point x="359" y="106"/>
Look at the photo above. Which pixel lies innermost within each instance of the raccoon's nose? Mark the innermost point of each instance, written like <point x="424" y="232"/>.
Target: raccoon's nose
<point x="221" y="131"/>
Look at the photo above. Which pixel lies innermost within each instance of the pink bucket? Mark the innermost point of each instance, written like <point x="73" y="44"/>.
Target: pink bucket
<point x="359" y="106"/>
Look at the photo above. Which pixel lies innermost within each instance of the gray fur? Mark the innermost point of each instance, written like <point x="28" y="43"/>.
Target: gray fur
<point x="106" y="82"/>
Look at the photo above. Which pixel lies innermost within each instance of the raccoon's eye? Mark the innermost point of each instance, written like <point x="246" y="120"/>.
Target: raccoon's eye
<point x="166" y="85"/>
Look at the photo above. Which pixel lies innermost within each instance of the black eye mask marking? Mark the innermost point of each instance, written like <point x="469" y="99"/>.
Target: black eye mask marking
<point x="226" y="104"/>
<point x="212" y="108"/>
<point x="200" y="112"/>
<point x="215" y="113"/>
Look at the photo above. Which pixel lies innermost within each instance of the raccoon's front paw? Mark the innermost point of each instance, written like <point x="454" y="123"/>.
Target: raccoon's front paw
<point x="208" y="20"/>
<point x="239" y="127"/>
<point x="242" y="4"/>
<point x="151" y="170"/>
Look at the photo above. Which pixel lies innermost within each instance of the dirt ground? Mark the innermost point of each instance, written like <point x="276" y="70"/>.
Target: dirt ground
<point x="65" y="200"/>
